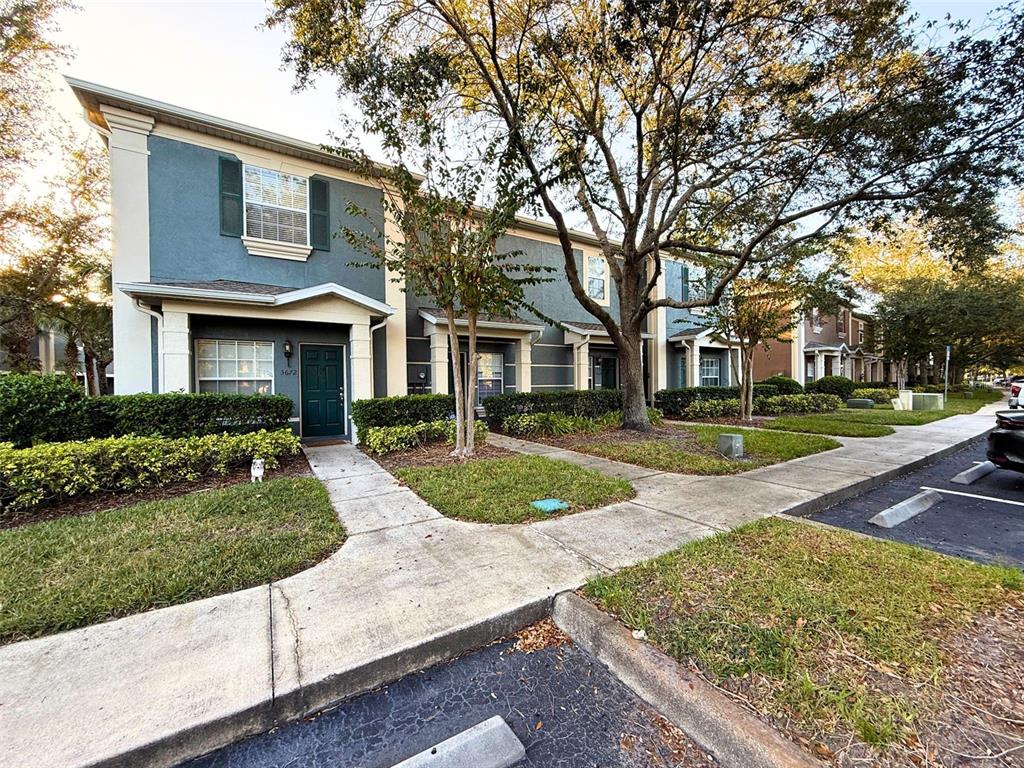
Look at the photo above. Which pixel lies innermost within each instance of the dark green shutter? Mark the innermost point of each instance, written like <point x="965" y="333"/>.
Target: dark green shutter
<point x="686" y="283"/>
<point x="319" y="214"/>
<point x="230" y="197"/>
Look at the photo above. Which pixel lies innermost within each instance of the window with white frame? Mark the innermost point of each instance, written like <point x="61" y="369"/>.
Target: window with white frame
<point x="710" y="372"/>
<point x="860" y="334"/>
<point x="276" y="205"/>
<point x="235" y="367"/>
<point x="841" y="322"/>
<point x="597" y="278"/>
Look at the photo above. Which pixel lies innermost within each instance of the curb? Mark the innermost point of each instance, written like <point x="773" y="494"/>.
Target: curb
<point x="327" y="693"/>
<point x="718" y="725"/>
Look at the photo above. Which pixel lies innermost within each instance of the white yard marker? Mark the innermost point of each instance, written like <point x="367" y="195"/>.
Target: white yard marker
<point x="974" y="496"/>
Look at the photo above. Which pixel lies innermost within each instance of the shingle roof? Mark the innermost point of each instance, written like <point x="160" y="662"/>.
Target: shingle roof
<point x="234" y="286"/>
<point x="485" y="318"/>
<point x="687" y="330"/>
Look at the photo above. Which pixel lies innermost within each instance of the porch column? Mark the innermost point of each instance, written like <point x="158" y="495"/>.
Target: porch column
<point x="176" y="350"/>
<point x="738" y="367"/>
<point x="359" y="356"/>
<point x="581" y="364"/>
<point x="727" y="373"/>
<point x="524" y="364"/>
<point x="438" y="361"/>
<point x="819" y="365"/>
<point x="394" y="295"/>
<point x="694" y="363"/>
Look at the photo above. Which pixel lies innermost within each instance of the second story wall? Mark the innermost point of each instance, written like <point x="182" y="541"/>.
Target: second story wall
<point x="185" y="234"/>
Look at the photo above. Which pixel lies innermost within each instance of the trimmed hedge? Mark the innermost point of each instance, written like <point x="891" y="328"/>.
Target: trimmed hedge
<point x="557" y="424"/>
<point x="180" y="414"/>
<point x="879" y="395"/>
<point x="588" y="403"/>
<point x="784" y="385"/>
<point x="674" y="402"/>
<point x="404" y="437"/>
<point x="840" y="386"/>
<point x="41" y="409"/>
<point x="51" y="472"/>
<point x="763" y="406"/>
<point x="401" y="410"/>
<point x="35" y="409"/>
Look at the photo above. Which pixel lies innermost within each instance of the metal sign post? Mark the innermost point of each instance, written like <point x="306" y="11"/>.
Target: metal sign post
<point x="945" y="379"/>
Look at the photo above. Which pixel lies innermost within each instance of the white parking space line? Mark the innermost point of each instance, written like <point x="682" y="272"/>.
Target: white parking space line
<point x="974" y="496"/>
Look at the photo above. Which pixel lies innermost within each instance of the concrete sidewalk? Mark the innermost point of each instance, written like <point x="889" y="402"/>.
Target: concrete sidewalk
<point x="409" y="588"/>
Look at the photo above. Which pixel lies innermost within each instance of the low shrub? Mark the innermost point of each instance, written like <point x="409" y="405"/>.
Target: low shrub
<point x="880" y="396"/>
<point x="712" y="409"/>
<point x="784" y="385"/>
<point x="35" y="409"/>
<point x="181" y="414"/>
<point x="408" y="410"/>
<point x="763" y="406"/>
<point x="840" y="386"/>
<point x="51" y="472"/>
<point x="404" y="437"/>
<point x="674" y="402"/>
<point x="558" y="424"/>
<point x="589" y="403"/>
<point x="938" y="389"/>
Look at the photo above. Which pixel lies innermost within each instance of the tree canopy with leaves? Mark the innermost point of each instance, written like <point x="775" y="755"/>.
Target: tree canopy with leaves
<point x="697" y="128"/>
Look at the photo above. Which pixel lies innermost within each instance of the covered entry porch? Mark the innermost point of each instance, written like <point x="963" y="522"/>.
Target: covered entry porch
<point x="700" y="357"/>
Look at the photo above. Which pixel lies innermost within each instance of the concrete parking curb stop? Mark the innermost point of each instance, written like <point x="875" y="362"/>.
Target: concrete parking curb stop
<point x="976" y="472"/>
<point x="906" y="509"/>
<point x="721" y="727"/>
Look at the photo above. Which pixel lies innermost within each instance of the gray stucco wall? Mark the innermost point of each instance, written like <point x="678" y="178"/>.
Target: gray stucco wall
<point x="286" y="374"/>
<point x="184" y="226"/>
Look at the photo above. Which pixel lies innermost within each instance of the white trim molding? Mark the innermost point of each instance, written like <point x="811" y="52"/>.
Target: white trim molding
<point x="275" y="249"/>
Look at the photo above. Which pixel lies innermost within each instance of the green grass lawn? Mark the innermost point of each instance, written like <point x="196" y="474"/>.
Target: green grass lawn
<point x="500" y="490"/>
<point x="76" y="571"/>
<point x="670" y="455"/>
<point x="838" y="633"/>
<point x="876" y="422"/>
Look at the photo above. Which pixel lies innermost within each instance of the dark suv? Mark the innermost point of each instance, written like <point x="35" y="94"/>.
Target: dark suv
<point x="1006" y="441"/>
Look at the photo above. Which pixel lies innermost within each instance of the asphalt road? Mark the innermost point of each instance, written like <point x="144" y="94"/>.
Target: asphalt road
<point x="563" y="705"/>
<point x="989" y="530"/>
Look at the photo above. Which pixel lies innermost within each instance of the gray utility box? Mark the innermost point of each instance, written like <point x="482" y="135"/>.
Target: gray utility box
<point x="926" y="401"/>
<point x="730" y="446"/>
<point x="860" y="402"/>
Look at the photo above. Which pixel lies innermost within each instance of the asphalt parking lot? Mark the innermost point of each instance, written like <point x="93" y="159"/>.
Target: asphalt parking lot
<point x="983" y="521"/>
<point x="564" y="707"/>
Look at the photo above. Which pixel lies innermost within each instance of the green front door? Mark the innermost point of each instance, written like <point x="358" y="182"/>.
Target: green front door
<point x="323" y="390"/>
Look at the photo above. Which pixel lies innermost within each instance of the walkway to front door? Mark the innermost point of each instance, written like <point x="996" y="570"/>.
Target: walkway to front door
<point x="323" y="390"/>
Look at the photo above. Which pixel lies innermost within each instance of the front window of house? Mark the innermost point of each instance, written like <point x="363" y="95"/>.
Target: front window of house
<point x="597" y="278"/>
<point x="235" y="367"/>
<point x="815" y="320"/>
<point x="276" y="206"/>
<point x="710" y="372"/>
<point x="490" y="374"/>
<point x="860" y="335"/>
<point x="841" y="321"/>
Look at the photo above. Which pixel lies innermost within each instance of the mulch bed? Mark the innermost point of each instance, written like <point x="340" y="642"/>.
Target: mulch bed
<point x="291" y="466"/>
<point x="679" y="439"/>
<point x="730" y="421"/>
<point x="436" y="455"/>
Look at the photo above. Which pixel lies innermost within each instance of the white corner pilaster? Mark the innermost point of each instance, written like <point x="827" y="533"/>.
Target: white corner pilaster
<point x="394" y="296"/>
<point x="176" y="350"/>
<point x="128" y="145"/>
<point x="361" y="365"/>
<point x="524" y="364"/>
<point x="694" y="363"/>
<point x="819" y="365"/>
<point x="798" y="366"/>
<point x="659" y="344"/>
<point x="438" y="359"/>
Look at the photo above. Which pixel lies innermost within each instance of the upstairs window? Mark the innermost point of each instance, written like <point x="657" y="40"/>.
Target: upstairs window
<point x="860" y="335"/>
<point x="597" y="278"/>
<point x="276" y="206"/>
<point x="841" y="322"/>
<point x="815" y="320"/>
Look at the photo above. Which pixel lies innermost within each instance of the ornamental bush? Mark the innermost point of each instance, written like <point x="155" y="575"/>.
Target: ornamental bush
<point x="840" y="386"/>
<point x="36" y="409"/>
<point x="712" y="408"/>
<point x="674" y="402"/>
<point x="880" y="396"/>
<point x="404" y="437"/>
<point x="814" y="403"/>
<point x="558" y="424"/>
<point x="51" y="472"/>
<point x="588" y="403"/>
<point x="408" y="410"/>
<point x="784" y="385"/>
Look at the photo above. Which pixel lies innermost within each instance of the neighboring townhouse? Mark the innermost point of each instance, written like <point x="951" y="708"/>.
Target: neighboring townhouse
<point x="843" y="344"/>
<point x="48" y="349"/>
<point x="227" y="278"/>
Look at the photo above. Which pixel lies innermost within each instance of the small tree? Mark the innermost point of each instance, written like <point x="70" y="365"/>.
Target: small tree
<point x="445" y="248"/>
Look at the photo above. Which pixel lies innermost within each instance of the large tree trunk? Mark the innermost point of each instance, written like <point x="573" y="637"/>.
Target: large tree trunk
<point x="71" y="358"/>
<point x="471" y="384"/>
<point x="747" y="382"/>
<point x="634" y="404"/>
<point x="460" y="411"/>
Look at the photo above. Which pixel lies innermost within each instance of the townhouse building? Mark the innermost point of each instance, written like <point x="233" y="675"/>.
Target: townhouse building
<point x="842" y="344"/>
<point x="227" y="278"/>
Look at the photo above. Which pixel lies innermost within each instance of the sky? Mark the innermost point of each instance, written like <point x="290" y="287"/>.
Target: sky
<point x="216" y="57"/>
